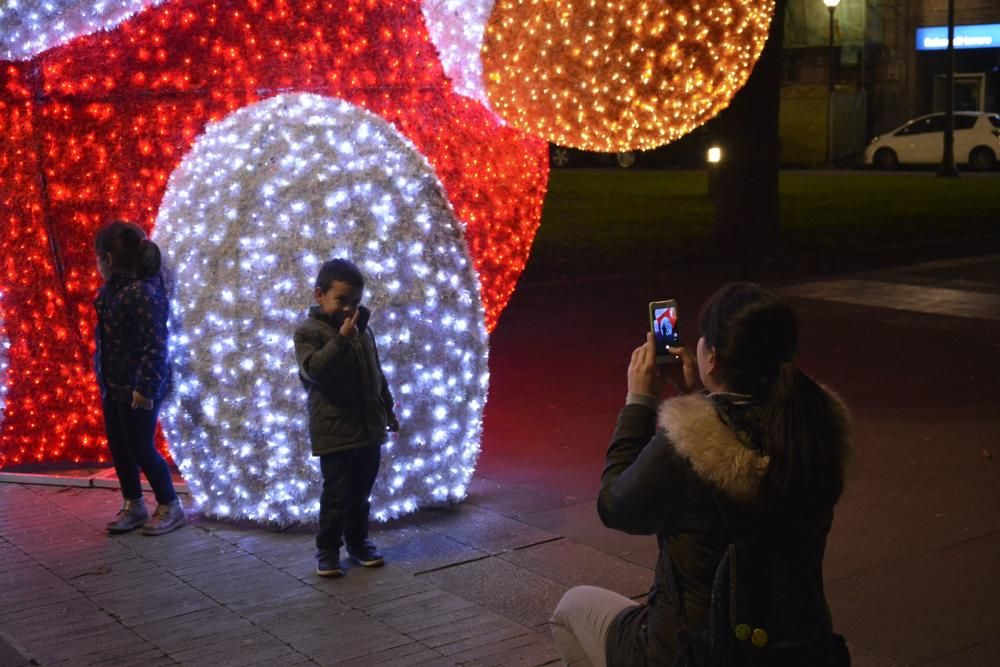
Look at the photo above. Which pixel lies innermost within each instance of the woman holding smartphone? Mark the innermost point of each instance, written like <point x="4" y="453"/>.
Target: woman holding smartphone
<point x="761" y="449"/>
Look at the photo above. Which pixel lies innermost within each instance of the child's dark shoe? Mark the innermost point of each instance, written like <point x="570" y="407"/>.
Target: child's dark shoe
<point x="132" y="515"/>
<point x="328" y="564"/>
<point x="365" y="554"/>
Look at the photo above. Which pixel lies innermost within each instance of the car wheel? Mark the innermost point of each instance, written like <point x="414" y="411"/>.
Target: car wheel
<point x="982" y="159"/>
<point x="625" y="159"/>
<point x="885" y="158"/>
<point x="560" y="157"/>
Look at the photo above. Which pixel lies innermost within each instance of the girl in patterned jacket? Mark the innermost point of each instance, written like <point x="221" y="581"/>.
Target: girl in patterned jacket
<point x="133" y="374"/>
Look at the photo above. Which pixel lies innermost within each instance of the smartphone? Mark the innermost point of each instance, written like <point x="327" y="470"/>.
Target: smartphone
<point x="360" y="323"/>
<point x="663" y="324"/>
<point x="363" y="319"/>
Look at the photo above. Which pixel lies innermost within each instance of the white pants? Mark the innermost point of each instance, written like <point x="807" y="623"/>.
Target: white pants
<point x="580" y="624"/>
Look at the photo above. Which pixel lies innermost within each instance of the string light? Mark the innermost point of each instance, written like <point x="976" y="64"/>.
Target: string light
<point x="261" y="200"/>
<point x="93" y="126"/>
<point x="619" y="75"/>
<point x="28" y="28"/>
<point x="4" y="346"/>
<point x="52" y="407"/>
<point x="457" y="27"/>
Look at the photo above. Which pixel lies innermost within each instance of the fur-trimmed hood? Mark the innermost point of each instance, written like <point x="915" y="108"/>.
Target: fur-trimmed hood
<point x="699" y="434"/>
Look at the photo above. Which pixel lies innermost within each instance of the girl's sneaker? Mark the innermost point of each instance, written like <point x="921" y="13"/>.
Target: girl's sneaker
<point x="328" y="564"/>
<point x="365" y="554"/>
<point x="132" y="515"/>
<point x="165" y="519"/>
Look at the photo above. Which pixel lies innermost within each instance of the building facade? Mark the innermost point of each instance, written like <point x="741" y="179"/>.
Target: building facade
<point x="889" y="63"/>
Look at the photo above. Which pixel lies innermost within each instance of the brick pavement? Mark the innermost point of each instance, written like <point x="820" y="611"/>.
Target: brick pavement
<point x="464" y="586"/>
<point x="216" y="594"/>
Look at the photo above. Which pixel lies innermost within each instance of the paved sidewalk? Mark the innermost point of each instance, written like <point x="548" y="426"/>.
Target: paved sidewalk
<point x="464" y="586"/>
<point x="216" y="594"/>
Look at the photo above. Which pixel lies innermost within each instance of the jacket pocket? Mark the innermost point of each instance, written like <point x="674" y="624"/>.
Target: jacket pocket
<point x="335" y="426"/>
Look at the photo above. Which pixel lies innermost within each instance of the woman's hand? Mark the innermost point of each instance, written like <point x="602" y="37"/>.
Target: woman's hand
<point x="140" y="402"/>
<point x="643" y="375"/>
<point x="689" y="368"/>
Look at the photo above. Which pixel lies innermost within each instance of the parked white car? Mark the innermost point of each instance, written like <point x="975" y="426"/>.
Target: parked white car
<point x="921" y="141"/>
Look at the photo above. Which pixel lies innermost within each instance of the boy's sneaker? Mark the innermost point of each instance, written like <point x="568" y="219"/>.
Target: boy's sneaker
<point x="365" y="554"/>
<point x="328" y="564"/>
<point x="132" y="515"/>
<point x="165" y="519"/>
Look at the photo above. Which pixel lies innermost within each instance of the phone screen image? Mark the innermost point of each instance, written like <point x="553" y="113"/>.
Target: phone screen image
<point x="663" y="324"/>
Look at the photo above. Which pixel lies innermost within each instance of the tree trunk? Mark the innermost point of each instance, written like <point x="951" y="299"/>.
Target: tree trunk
<point x="747" y="216"/>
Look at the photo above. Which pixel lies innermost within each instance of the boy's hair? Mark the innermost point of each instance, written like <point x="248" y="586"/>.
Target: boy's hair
<point x="339" y="269"/>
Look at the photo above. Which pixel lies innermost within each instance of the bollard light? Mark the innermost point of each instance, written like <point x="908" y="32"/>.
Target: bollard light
<point x="713" y="157"/>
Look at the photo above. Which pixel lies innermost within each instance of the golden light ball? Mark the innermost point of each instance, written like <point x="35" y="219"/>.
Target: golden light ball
<point x="615" y="75"/>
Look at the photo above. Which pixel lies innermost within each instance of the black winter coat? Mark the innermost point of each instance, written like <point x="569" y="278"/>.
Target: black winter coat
<point x="658" y="481"/>
<point x="349" y="402"/>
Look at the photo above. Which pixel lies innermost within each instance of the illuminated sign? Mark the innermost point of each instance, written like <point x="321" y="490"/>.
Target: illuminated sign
<point x="984" y="36"/>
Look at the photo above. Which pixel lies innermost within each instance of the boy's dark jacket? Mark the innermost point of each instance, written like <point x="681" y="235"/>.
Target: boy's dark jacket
<point x="131" y="338"/>
<point x="350" y="404"/>
<point x="657" y="479"/>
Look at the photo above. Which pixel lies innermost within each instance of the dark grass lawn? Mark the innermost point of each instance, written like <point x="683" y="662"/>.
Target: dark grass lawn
<point x="637" y="219"/>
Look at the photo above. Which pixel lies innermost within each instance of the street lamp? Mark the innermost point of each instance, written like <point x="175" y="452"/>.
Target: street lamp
<point x="948" y="158"/>
<point x="832" y="6"/>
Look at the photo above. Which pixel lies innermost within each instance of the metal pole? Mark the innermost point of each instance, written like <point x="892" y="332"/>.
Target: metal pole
<point x="829" y="104"/>
<point x="948" y="158"/>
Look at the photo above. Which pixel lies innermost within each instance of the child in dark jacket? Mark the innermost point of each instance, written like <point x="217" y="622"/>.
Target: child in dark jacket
<point x="133" y="374"/>
<point x="350" y="411"/>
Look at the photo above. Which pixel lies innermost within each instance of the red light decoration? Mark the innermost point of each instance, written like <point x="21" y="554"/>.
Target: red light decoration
<point x="91" y="130"/>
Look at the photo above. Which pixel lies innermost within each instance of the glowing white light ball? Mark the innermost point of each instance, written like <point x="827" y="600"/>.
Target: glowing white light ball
<point x="28" y="27"/>
<point x="261" y="200"/>
<point x="456" y="27"/>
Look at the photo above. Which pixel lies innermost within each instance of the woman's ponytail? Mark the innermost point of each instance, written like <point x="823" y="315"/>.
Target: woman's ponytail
<point x="148" y="262"/>
<point x="754" y="335"/>
<point x="803" y="435"/>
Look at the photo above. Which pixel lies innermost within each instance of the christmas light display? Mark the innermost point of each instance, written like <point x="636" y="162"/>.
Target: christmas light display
<point x="619" y="75"/>
<point x="248" y="136"/>
<point x="92" y="127"/>
<point x="261" y="200"/>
